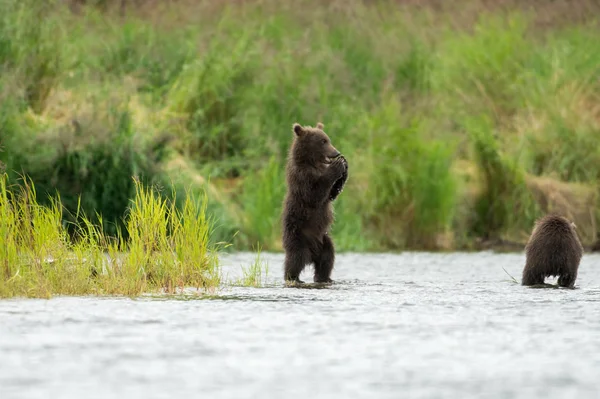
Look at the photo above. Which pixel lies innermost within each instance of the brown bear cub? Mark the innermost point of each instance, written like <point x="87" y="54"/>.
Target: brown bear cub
<point x="315" y="173"/>
<point x="553" y="249"/>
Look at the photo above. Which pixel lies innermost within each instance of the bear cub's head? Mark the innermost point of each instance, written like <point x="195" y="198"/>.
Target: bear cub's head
<point x="312" y="146"/>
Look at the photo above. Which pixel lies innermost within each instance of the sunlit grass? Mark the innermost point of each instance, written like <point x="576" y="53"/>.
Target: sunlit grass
<point x="167" y="250"/>
<point x="254" y="274"/>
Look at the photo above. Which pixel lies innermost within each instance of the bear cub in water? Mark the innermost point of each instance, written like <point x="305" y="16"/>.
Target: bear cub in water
<point x="553" y="249"/>
<point x="315" y="174"/>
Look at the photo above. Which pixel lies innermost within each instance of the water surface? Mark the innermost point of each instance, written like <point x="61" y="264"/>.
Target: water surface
<point x="414" y="325"/>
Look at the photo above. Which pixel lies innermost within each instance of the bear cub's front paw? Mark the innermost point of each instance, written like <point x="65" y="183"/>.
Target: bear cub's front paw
<point x="345" y="162"/>
<point x="340" y="165"/>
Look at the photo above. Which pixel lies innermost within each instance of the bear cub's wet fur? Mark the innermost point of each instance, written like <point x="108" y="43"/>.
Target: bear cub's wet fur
<point x="553" y="249"/>
<point x="315" y="174"/>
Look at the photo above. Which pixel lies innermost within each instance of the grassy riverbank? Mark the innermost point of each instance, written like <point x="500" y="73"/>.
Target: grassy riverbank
<point x="460" y="127"/>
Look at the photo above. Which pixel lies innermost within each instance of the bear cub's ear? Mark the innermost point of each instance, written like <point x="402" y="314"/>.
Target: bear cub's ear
<point x="320" y="126"/>
<point x="299" y="130"/>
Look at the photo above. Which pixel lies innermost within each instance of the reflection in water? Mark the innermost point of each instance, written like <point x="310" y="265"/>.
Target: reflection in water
<point x="411" y="325"/>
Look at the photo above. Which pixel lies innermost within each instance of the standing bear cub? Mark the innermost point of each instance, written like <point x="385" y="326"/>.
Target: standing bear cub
<point x="316" y="173"/>
<point x="553" y="249"/>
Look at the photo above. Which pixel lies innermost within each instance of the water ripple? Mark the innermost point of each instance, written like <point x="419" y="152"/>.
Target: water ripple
<point x="415" y="324"/>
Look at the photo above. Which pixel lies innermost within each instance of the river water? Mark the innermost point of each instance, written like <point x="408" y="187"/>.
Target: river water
<point x="413" y="325"/>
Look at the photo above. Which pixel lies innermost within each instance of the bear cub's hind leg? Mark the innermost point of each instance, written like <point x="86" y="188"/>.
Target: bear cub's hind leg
<point x="324" y="261"/>
<point x="531" y="278"/>
<point x="294" y="264"/>
<point x="566" y="280"/>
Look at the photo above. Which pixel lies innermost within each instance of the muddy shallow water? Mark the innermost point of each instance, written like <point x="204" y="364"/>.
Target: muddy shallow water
<point x="410" y="325"/>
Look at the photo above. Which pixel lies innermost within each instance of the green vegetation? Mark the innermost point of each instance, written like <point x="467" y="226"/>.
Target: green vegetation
<point x="458" y="125"/>
<point x="255" y="275"/>
<point x="167" y="249"/>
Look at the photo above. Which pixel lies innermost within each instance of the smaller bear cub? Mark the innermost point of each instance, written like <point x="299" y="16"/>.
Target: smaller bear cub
<point x="315" y="173"/>
<point x="553" y="249"/>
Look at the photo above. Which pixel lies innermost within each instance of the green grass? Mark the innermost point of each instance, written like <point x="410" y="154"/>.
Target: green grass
<point x="505" y="202"/>
<point x="262" y="200"/>
<point x="411" y="182"/>
<point x="255" y="274"/>
<point x="168" y="248"/>
<point x="33" y="51"/>
<point x="443" y="114"/>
